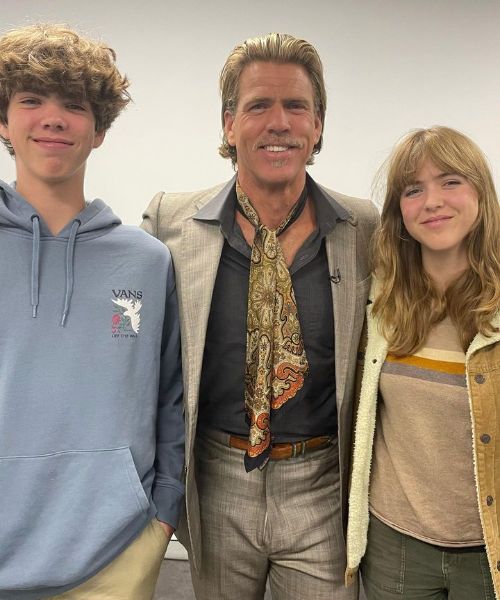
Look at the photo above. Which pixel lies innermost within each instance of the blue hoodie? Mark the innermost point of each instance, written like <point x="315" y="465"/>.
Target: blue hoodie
<point x="91" y="423"/>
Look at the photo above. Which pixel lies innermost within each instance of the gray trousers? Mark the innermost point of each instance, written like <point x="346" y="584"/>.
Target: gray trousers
<point x="282" y="523"/>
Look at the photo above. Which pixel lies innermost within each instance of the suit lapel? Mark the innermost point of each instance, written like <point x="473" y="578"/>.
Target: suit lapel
<point x="201" y="247"/>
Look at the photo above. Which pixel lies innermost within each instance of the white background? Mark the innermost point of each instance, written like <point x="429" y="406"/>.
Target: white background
<point x="390" y="66"/>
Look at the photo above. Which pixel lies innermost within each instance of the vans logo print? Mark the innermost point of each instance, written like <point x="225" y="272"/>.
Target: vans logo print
<point x="126" y="318"/>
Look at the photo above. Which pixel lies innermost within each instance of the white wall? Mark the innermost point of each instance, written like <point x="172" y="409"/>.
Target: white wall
<point x="390" y="66"/>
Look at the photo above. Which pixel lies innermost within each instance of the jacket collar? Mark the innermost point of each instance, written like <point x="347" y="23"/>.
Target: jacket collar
<point x="481" y="341"/>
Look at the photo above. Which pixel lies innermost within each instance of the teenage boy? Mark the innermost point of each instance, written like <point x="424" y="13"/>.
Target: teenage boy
<point x="91" y="423"/>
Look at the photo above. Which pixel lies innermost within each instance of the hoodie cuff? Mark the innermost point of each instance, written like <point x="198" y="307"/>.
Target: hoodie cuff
<point x="169" y="500"/>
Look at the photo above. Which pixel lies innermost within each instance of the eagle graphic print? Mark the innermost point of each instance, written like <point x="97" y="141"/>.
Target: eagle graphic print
<point x="126" y="317"/>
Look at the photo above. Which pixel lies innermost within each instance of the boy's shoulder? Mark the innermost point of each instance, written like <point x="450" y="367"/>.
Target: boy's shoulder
<point x="141" y="242"/>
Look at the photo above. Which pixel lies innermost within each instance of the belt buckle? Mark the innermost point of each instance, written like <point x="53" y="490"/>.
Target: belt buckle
<point x="298" y="449"/>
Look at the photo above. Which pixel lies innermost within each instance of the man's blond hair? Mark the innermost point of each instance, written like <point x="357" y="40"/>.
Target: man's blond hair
<point x="279" y="48"/>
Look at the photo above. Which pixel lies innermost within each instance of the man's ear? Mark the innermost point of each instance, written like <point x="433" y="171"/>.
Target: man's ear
<point x="228" y="127"/>
<point x="318" y="128"/>
<point x="99" y="138"/>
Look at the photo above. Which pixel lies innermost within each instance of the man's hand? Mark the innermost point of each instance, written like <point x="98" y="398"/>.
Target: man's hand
<point x="168" y="529"/>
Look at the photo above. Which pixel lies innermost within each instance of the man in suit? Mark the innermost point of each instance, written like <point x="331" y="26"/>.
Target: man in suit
<point x="272" y="275"/>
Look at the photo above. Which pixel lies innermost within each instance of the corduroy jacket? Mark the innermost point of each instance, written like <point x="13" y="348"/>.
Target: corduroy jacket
<point x="483" y="386"/>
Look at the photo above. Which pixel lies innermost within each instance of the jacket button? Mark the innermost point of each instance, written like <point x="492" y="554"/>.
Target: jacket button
<point x="374" y="360"/>
<point x="479" y="378"/>
<point x="489" y="500"/>
<point x="485" y="438"/>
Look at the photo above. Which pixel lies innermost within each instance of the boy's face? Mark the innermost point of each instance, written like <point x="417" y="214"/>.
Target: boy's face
<point x="52" y="137"/>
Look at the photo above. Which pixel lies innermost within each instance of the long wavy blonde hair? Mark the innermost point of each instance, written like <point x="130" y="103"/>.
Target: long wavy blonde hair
<point x="407" y="303"/>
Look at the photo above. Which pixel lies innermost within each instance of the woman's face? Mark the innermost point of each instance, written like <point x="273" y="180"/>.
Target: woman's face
<point x="439" y="210"/>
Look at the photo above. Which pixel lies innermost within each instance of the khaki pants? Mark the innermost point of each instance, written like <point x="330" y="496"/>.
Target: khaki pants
<point x="400" y="567"/>
<point x="130" y="576"/>
<point x="281" y="523"/>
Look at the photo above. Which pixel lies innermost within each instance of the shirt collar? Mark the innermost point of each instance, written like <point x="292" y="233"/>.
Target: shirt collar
<point x="222" y="203"/>
<point x="220" y="209"/>
<point x="328" y="211"/>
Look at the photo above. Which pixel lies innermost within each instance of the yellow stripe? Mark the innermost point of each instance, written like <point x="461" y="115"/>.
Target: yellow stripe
<point x="426" y="363"/>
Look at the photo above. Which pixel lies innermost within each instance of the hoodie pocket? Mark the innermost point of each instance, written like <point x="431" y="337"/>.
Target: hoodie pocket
<point x="63" y="515"/>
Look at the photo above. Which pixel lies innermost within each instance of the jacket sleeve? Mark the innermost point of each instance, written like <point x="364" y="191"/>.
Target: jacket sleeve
<point x="168" y="487"/>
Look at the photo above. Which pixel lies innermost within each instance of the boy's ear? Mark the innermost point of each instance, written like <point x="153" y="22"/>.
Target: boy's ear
<point x="4" y="130"/>
<point x="99" y="138"/>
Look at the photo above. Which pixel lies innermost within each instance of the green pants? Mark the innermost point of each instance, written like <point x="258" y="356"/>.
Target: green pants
<point x="397" y="566"/>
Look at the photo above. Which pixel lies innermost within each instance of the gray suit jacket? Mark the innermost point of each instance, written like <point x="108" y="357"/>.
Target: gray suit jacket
<point x="196" y="248"/>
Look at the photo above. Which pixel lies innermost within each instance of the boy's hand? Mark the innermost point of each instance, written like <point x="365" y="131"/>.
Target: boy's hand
<point x="168" y="529"/>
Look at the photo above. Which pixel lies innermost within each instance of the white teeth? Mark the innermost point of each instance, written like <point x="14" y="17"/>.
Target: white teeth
<point x="276" y="148"/>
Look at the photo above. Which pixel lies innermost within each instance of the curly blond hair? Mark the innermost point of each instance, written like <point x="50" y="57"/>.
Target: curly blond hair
<point x="408" y="304"/>
<point x="48" y="58"/>
<point x="278" y="48"/>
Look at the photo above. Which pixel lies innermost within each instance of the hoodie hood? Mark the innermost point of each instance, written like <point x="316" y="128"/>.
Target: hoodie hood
<point x="17" y="213"/>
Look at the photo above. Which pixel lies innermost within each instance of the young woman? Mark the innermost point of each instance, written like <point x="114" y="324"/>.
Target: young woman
<point x="425" y="485"/>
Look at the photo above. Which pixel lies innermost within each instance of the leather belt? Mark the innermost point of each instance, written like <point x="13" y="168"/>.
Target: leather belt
<point x="287" y="449"/>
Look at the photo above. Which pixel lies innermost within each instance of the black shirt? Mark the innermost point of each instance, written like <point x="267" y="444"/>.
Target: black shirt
<point x="312" y="411"/>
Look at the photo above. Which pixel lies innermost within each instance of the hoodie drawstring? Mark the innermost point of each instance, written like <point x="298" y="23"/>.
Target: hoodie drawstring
<point x="35" y="264"/>
<point x="70" y="251"/>
<point x="35" y="267"/>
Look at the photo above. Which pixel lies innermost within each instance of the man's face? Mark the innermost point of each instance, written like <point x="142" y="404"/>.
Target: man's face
<point x="274" y="127"/>
<point x="52" y="137"/>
